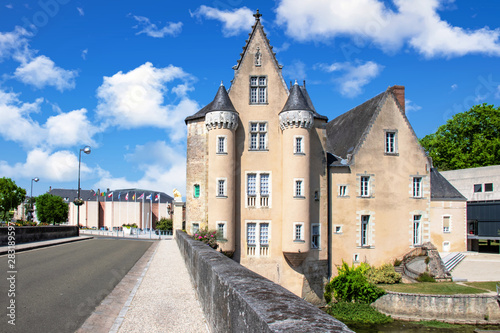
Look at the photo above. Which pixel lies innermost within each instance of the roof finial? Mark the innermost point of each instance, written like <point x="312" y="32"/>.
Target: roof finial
<point x="221" y="83"/>
<point x="296" y="83"/>
<point x="257" y="15"/>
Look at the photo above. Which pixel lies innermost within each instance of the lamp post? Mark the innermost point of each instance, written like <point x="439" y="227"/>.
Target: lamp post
<point x="36" y="179"/>
<point x="86" y="150"/>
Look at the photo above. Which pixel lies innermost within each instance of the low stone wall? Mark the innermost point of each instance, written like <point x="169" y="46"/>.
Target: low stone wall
<point x="468" y="309"/>
<point x="33" y="234"/>
<point x="235" y="299"/>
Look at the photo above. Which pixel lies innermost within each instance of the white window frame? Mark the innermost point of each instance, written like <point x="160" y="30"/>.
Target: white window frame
<point x="417" y="184"/>
<point x="298" y="149"/>
<point x="364" y="240"/>
<point x="258" y="90"/>
<point x="343" y="191"/>
<point x="364" y="187"/>
<point x="258" y="200"/>
<point x="298" y="230"/>
<point x="316" y="244"/>
<point x="224" y="144"/>
<point x="195" y="227"/>
<point x="224" y="228"/>
<point x="388" y="148"/>
<point x="259" y="134"/>
<point x="447" y="231"/>
<point x="417" y="230"/>
<point x="298" y="192"/>
<point x="259" y="248"/>
<point x="217" y="189"/>
<point x="337" y="229"/>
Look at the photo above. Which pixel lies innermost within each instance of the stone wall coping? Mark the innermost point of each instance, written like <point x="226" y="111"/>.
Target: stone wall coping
<point x="443" y="296"/>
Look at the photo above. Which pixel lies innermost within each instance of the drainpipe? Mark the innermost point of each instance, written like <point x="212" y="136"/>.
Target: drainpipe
<point x="329" y="159"/>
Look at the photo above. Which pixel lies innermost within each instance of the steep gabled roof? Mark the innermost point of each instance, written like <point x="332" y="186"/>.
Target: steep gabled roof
<point x="255" y="27"/>
<point x="346" y="132"/>
<point x="441" y="189"/>
<point x="221" y="102"/>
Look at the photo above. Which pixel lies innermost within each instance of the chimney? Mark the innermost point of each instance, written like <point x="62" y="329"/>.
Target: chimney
<point x="399" y="92"/>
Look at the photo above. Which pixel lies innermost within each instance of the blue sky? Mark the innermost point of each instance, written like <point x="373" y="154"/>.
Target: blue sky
<point x="121" y="76"/>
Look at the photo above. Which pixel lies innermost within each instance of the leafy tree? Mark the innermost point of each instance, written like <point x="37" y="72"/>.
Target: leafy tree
<point x="51" y="209"/>
<point x="10" y="196"/>
<point x="470" y="139"/>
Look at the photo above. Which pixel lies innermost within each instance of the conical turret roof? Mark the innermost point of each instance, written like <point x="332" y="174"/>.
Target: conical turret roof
<point x="296" y="100"/>
<point x="221" y="102"/>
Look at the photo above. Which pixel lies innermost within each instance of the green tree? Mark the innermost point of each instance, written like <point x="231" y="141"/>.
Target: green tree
<point x="11" y="196"/>
<point x="164" y="224"/>
<point x="469" y="139"/>
<point x="51" y="209"/>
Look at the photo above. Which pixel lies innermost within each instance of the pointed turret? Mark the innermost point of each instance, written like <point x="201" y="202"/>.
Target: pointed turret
<point x="297" y="112"/>
<point x="221" y="102"/>
<point x="220" y="113"/>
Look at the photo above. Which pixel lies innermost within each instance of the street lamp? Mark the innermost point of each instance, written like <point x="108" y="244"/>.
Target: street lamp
<point x="86" y="150"/>
<point x="30" y="217"/>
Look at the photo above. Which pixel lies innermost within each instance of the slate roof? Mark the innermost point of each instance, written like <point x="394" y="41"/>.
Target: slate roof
<point x="346" y="132"/>
<point x="299" y="99"/>
<point x="86" y="195"/>
<point x="442" y="188"/>
<point x="221" y="102"/>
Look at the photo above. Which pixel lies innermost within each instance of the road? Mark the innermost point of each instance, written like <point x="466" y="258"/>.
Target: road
<point x="57" y="288"/>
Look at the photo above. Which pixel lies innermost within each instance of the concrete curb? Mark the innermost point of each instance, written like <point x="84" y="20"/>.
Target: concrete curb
<point x="42" y="244"/>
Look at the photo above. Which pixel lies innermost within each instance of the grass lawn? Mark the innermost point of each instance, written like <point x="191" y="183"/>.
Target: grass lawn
<point x="432" y="288"/>
<point x="485" y="285"/>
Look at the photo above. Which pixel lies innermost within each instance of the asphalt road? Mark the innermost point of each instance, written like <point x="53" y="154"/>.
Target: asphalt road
<point x="57" y="288"/>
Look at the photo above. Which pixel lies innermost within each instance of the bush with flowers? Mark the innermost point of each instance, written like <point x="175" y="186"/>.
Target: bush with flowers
<point x="207" y="236"/>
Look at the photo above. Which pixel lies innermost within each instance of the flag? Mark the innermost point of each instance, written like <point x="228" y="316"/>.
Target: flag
<point x="110" y="194"/>
<point x="126" y="197"/>
<point x="133" y="197"/>
<point x="149" y="197"/>
<point x="103" y="194"/>
<point x="119" y="195"/>
<point x="157" y="196"/>
<point x="141" y="197"/>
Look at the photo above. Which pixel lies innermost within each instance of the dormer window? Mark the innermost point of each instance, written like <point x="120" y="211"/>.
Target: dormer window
<point x="258" y="90"/>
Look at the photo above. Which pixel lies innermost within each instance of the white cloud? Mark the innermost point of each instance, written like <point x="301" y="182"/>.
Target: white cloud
<point x="150" y="29"/>
<point x="285" y="46"/>
<point x="295" y="71"/>
<point x="61" y="130"/>
<point x="355" y="76"/>
<point x="14" y="44"/>
<point x="418" y="25"/>
<point x="164" y="169"/>
<point x="84" y="54"/>
<point x="411" y="107"/>
<point x="80" y="11"/>
<point x="59" y="166"/>
<point x="42" y="71"/>
<point x="454" y="86"/>
<point x="234" y="22"/>
<point x="137" y="99"/>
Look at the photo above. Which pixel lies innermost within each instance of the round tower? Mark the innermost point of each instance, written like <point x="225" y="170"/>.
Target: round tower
<point x="221" y="121"/>
<point x="296" y="119"/>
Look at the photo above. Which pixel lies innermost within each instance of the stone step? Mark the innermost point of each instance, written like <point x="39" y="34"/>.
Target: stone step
<point x="453" y="260"/>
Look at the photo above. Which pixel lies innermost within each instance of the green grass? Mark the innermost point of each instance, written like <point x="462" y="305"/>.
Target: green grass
<point x="357" y="313"/>
<point x="490" y="285"/>
<point x="432" y="288"/>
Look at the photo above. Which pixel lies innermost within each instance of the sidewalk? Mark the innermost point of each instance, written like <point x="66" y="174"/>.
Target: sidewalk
<point x="165" y="300"/>
<point x="36" y="245"/>
<point x="478" y="267"/>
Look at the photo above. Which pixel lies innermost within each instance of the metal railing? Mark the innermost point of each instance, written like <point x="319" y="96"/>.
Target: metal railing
<point x="130" y="233"/>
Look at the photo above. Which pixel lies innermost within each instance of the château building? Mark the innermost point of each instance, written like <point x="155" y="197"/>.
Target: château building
<point x="293" y="195"/>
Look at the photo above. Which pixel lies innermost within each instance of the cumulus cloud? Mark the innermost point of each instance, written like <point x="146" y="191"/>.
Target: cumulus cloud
<point x="59" y="166"/>
<point x="137" y="99"/>
<point x="61" y="130"/>
<point x="353" y="76"/>
<point x="234" y="22"/>
<point x="42" y="71"/>
<point x="14" y="44"/>
<point x="164" y="168"/>
<point x="150" y="29"/>
<point x="417" y="25"/>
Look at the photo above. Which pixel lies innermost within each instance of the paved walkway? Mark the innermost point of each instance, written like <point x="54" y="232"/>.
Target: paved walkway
<point x="165" y="300"/>
<point x="478" y="267"/>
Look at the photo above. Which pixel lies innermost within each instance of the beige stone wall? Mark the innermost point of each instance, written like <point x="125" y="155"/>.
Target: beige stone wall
<point x="391" y="205"/>
<point x="196" y="173"/>
<point x="456" y="237"/>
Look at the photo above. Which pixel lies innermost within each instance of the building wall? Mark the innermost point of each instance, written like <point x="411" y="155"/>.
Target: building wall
<point x="465" y="179"/>
<point x="391" y="206"/>
<point x="456" y="236"/>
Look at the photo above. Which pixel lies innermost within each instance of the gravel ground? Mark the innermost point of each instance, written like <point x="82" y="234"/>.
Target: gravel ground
<point x="165" y="301"/>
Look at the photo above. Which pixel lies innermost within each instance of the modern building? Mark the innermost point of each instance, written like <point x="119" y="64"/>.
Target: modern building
<point x="294" y="195"/>
<point x="481" y="187"/>
<point x="112" y="209"/>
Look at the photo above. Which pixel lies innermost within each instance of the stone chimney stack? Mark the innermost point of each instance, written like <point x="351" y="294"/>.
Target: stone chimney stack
<point x="399" y="92"/>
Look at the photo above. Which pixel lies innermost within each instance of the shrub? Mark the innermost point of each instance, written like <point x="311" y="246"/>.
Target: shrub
<point x="397" y="262"/>
<point x="383" y="274"/>
<point x="133" y="225"/>
<point x="357" y="313"/>
<point x="207" y="236"/>
<point x="351" y="285"/>
<point x="164" y="224"/>
<point x="425" y="277"/>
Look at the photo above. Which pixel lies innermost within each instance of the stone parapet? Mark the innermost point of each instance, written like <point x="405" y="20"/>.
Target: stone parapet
<point x="33" y="234"/>
<point x="295" y="118"/>
<point x="235" y="299"/>
<point x="221" y="119"/>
